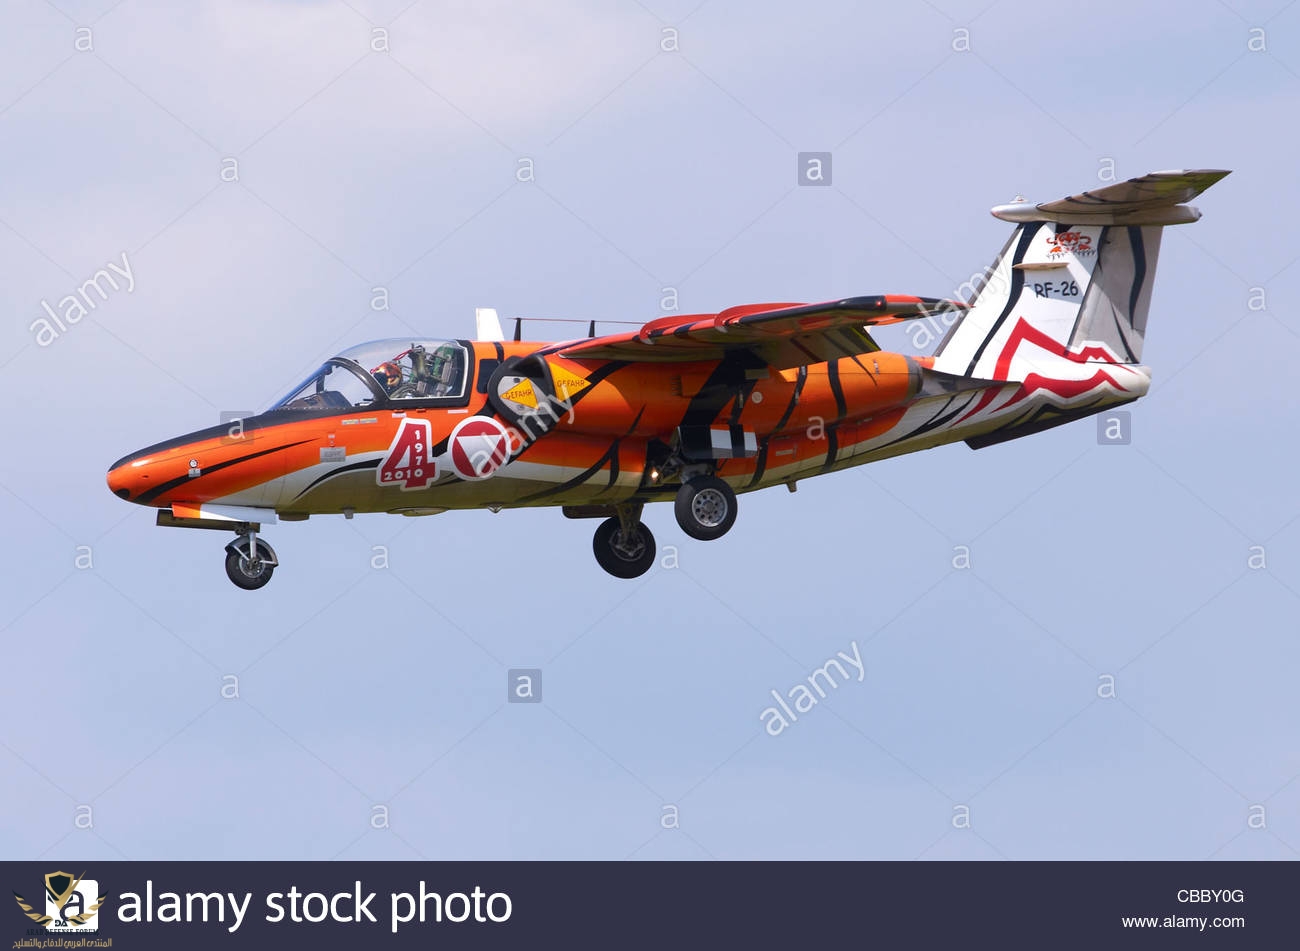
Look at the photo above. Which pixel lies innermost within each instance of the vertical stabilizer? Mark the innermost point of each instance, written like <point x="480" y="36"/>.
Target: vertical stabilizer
<point x="1074" y="282"/>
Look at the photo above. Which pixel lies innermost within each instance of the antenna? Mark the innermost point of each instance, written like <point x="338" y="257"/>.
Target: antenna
<point x="591" y="329"/>
<point x="519" y="329"/>
<point x="487" y="324"/>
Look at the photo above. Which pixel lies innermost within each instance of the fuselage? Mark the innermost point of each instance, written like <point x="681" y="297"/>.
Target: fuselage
<point x="606" y="427"/>
<point x="516" y="424"/>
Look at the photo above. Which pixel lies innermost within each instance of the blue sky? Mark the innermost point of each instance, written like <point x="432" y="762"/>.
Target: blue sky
<point x="371" y="719"/>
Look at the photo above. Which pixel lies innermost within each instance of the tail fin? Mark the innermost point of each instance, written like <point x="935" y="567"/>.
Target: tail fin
<point x="1074" y="282"/>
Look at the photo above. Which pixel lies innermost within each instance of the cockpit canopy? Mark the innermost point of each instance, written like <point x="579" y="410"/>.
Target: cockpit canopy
<point x="382" y="371"/>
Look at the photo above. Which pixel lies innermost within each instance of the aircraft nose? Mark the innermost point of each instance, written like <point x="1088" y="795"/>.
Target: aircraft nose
<point x="119" y="482"/>
<point x="131" y="475"/>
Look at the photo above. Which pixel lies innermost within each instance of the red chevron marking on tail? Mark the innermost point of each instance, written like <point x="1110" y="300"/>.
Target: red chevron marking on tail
<point x="1024" y="333"/>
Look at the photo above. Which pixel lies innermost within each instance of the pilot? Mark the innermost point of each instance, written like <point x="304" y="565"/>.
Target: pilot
<point x="388" y="375"/>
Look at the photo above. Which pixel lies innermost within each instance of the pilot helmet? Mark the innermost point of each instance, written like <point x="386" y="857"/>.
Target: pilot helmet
<point x="388" y="374"/>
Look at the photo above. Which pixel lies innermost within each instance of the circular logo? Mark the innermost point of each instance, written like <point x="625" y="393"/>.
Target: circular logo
<point x="478" y="447"/>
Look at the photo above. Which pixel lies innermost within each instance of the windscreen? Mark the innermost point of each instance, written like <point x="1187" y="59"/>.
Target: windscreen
<point x="334" y="386"/>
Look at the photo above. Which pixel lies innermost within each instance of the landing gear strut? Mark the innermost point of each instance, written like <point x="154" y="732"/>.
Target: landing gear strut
<point x="623" y="544"/>
<point x="705" y="507"/>
<point x="250" y="562"/>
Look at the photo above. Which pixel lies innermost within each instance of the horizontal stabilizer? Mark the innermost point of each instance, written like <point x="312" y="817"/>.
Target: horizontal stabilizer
<point x="1154" y="199"/>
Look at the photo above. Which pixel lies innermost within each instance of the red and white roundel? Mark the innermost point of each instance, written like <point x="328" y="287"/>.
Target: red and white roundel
<point x="478" y="447"/>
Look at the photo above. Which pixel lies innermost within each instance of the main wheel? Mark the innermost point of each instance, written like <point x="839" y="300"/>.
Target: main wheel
<point x="249" y="573"/>
<point x="705" y="508"/>
<point x="624" y="554"/>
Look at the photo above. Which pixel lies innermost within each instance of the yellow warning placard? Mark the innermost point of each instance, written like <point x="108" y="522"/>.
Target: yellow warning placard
<point x="567" y="384"/>
<point x="522" y="393"/>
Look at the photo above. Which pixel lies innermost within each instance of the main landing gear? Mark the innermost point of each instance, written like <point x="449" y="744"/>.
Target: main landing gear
<point x="250" y="562"/>
<point x="705" y="509"/>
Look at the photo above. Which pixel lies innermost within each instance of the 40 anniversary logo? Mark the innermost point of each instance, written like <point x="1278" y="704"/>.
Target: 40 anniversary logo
<point x="70" y="903"/>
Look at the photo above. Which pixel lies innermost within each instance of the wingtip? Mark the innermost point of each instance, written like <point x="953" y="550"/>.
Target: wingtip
<point x="1218" y="172"/>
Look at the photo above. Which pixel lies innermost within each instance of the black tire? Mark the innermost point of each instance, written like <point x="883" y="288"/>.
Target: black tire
<point x="705" y="508"/>
<point x="247" y="576"/>
<point x="624" y="558"/>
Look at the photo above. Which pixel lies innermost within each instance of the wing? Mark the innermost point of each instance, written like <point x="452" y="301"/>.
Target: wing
<point x="27" y="910"/>
<point x="784" y="335"/>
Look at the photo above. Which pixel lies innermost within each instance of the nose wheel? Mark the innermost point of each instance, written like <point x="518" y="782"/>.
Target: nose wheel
<point x="624" y="545"/>
<point x="705" y="507"/>
<point x="250" y="562"/>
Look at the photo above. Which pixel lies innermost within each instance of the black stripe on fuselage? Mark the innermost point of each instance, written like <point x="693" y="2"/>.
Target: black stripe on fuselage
<point x="765" y="442"/>
<point x="250" y="424"/>
<point x="841" y="410"/>
<point x="609" y="456"/>
<point x="837" y="389"/>
<point x="832" y="446"/>
<point x="760" y="465"/>
<point x="800" y="379"/>
<point x="705" y="405"/>
<point x="870" y="376"/>
<point x="742" y="398"/>
<point x="144" y="498"/>
<point x="940" y="418"/>
<point x="353" y="467"/>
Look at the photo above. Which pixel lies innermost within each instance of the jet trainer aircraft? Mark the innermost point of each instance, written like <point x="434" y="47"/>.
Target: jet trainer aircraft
<point x="693" y="408"/>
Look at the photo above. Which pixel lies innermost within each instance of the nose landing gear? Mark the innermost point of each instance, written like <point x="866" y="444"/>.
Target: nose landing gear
<point x="250" y="562"/>
<point x="623" y="544"/>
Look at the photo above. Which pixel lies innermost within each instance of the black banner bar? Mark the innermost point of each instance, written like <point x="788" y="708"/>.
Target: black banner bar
<point x="650" y="905"/>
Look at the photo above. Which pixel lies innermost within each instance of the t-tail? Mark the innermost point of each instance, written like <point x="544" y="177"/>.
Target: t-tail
<point x="1063" y="310"/>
